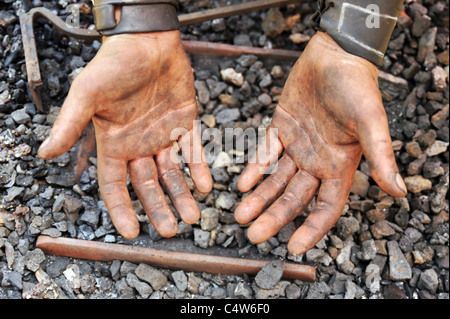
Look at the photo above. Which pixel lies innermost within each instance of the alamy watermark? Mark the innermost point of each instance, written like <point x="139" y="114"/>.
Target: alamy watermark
<point x="373" y="18"/>
<point x="73" y="19"/>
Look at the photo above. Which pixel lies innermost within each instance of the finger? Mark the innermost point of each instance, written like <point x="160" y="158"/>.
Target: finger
<point x="268" y="152"/>
<point x="297" y="196"/>
<point x="112" y="179"/>
<point x="173" y="182"/>
<point x="144" y="177"/>
<point x="266" y="193"/>
<point x="331" y="200"/>
<point x="74" y="116"/>
<point x="194" y="155"/>
<point x="376" y="144"/>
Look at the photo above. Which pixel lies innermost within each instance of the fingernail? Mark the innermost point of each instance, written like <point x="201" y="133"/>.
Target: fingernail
<point x="296" y="248"/>
<point x="43" y="146"/>
<point x="401" y="183"/>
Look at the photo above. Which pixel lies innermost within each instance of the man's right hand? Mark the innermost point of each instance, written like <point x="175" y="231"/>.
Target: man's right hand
<point x="330" y="113"/>
<point x="138" y="90"/>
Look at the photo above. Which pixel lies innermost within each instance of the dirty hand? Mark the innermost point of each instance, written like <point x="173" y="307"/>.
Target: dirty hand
<point x="138" y="90"/>
<point x="330" y="113"/>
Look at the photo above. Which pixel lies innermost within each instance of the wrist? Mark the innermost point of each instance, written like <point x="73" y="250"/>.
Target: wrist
<point x="325" y="43"/>
<point x="149" y="42"/>
<point x="114" y="17"/>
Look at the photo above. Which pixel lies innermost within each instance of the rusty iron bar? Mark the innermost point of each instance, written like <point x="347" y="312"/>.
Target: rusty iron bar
<point x="195" y="47"/>
<point x="31" y="58"/>
<point x="228" y="11"/>
<point x="99" y="251"/>
<point x="222" y="49"/>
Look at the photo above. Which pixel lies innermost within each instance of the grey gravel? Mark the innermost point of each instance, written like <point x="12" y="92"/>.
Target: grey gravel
<point x="180" y="279"/>
<point x="269" y="275"/>
<point x="399" y="268"/>
<point x="209" y="219"/>
<point x="201" y="238"/>
<point x="142" y="288"/>
<point x="151" y="275"/>
<point x="428" y="280"/>
<point x="33" y="259"/>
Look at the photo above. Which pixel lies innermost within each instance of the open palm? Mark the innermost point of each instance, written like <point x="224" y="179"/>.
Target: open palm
<point x="330" y="113"/>
<point x="139" y="93"/>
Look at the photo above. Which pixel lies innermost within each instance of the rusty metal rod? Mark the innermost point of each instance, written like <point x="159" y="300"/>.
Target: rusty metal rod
<point x="228" y="11"/>
<point x="31" y="58"/>
<point x="98" y="251"/>
<point x="222" y="49"/>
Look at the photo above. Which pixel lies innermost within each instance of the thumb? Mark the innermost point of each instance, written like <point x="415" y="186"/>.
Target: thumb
<point x="377" y="148"/>
<point x="75" y="114"/>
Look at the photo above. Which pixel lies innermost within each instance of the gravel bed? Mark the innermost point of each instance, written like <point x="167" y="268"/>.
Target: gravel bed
<point x="381" y="247"/>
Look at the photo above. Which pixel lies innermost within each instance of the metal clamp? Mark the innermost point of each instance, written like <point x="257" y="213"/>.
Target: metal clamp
<point x="361" y="27"/>
<point x="136" y="16"/>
